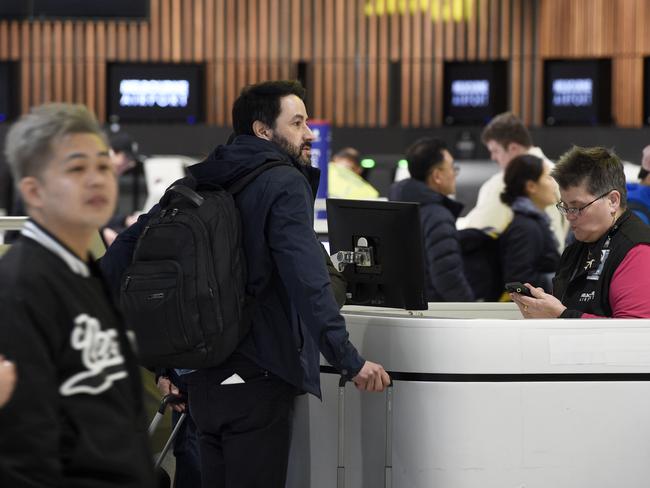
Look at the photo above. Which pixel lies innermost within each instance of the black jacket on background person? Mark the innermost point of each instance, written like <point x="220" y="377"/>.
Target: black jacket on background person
<point x="295" y="316"/>
<point x="528" y="250"/>
<point x="445" y="279"/>
<point x="582" y="285"/>
<point x="76" y="417"/>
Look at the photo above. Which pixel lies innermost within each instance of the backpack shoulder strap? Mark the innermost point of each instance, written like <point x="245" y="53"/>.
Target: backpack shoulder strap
<point x="242" y="182"/>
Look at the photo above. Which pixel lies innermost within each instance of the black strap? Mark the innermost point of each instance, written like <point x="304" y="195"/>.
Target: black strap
<point x="241" y="183"/>
<point x="188" y="193"/>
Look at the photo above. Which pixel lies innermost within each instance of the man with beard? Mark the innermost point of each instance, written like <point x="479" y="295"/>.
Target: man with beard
<point x="243" y="407"/>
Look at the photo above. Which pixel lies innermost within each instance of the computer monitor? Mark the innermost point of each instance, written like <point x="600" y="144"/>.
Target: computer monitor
<point x="8" y="90"/>
<point x="474" y="92"/>
<point x="155" y="92"/>
<point x="577" y="92"/>
<point x="646" y="91"/>
<point x="383" y="241"/>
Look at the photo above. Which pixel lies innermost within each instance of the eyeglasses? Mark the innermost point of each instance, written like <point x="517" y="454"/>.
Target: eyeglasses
<point x="575" y="211"/>
<point x="456" y="168"/>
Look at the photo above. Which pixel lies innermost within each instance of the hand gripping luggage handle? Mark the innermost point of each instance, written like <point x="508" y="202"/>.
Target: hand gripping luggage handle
<point x="169" y="399"/>
<point x="388" y="448"/>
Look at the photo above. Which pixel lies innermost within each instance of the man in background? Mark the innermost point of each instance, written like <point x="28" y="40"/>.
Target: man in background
<point x="506" y="137"/>
<point x="127" y="161"/>
<point x="345" y="178"/>
<point x="433" y="179"/>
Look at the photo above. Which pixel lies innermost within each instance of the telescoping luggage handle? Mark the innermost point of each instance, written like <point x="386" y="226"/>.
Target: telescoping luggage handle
<point x="388" y="448"/>
<point x="170" y="399"/>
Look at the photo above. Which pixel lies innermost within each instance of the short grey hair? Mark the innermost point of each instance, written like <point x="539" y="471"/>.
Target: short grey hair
<point x="28" y="146"/>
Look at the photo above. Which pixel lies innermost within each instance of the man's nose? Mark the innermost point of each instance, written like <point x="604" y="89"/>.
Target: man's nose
<point x="309" y="135"/>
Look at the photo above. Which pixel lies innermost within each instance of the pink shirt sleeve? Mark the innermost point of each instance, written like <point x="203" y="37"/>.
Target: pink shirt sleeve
<point x="629" y="291"/>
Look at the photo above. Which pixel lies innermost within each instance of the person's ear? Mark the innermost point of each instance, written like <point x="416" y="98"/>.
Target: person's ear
<point x="531" y="187"/>
<point x="261" y="130"/>
<point x="31" y="191"/>
<point x="614" y="200"/>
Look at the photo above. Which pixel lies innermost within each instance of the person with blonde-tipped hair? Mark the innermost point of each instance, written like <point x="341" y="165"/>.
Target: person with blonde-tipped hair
<point x="75" y="417"/>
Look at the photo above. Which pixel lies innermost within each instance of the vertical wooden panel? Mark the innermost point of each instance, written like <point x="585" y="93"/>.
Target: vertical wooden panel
<point x="36" y="68"/>
<point x="100" y="52"/>
<point x="416" y="70"/>
<point x="362" y="86"/>
<point x="317" y="95"/>
<point x="89" y="63"/>
<point x="328" y="89"/>
<point x="472" y="30"/>
<point x="122" y="41"/>
<point x="306" y="29"/>
<point x="4" y="39"/>
<point x="515" y="79"/>
<point x="133" y="46"/>
<point x="25" y="68"/>
<point x="154" y="30"/>
<point x="143" y="39"/>
<point x="406" y="71"/>
<point x="197" y="29"/>
<point x="274" y="45"/>
<point x="165" y="28"/>
<point x="384" y="66"/>
<point x="438" y="33"/>
<point x="493" y="52"/>
<point x="484" y="29"/>
<point x="505" y="22"/>
<point x="79" y="68"/>
<point x="176" y="31"/>
<point x="46" y="95"/>
<point x="427" y="70"/>
<point x="251" y="41"/>
<point x="187" y="29"/>
<point x="57" y="45"/>
<point x="68" y="71"/>
<point x="350" y="72"/>
<point x="15" y="36"/>
<point x="230" y="51"/>
<point x="339" y="64"/>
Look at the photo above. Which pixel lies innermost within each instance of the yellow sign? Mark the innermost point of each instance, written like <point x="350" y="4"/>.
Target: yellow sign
<point x="445" y="10"/>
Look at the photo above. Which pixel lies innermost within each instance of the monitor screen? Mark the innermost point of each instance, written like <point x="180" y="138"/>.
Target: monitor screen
<point x="474" y="92"/>
<point x="8" y="90"/>
<point x="35" y="9"/>
<point x="387" y="244"/>
<point x="144" y="92"/>
<point x="646" y="90"/>
<point x="577" y="92"/>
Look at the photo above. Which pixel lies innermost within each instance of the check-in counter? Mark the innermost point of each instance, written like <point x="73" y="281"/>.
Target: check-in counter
<point x="483" y="398"/>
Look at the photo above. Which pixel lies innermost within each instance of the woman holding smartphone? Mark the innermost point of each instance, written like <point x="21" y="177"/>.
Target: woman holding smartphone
<point x="606" y="272"/>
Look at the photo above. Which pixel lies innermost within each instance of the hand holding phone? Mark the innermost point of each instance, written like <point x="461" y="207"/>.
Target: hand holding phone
<point x="518" y="287"/>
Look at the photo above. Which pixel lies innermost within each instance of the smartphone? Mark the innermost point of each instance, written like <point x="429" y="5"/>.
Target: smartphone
<point x="517" y="287"/>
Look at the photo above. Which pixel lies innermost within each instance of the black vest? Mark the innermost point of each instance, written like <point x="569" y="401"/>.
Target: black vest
<point x="585" y="270"/>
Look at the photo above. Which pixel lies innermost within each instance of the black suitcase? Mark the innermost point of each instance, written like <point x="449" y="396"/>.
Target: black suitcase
<point x="388" y="448"/>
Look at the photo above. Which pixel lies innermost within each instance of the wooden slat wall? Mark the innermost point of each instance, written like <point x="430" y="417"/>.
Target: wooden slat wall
<point x="351" y="47"/>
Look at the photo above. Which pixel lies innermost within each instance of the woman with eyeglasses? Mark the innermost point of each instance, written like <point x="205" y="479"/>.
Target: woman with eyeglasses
<point x="606" y="272"/>
<point x="528" y="247"/>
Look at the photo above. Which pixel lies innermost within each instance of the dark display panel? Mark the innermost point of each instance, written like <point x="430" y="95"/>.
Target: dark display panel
<point x="8" y="91"/>
<point x="474" y="92"/>
<point x="646" y="91"/>
<point x="35" y="9"/>
<point x="146" y="92"/>
<point x="577" y="92"/>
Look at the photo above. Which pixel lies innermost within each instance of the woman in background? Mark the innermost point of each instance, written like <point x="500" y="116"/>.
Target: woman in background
<point x="528" y="247"/>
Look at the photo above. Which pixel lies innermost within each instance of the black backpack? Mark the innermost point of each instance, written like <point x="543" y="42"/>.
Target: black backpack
<point x="184" y="292"/>
<point x="482" y="262"/>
